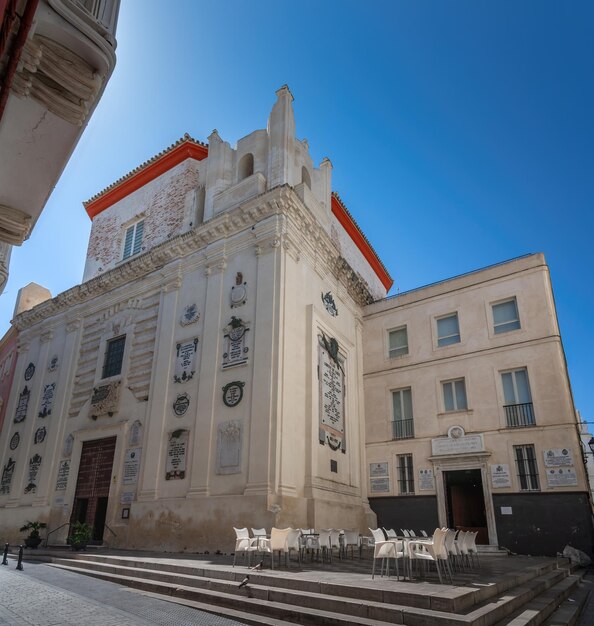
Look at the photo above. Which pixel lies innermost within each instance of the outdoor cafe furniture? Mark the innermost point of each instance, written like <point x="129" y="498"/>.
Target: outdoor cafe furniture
<point x="243" y="543"/>
<point x="386" y="549"/>
<point x="431" y="550"/>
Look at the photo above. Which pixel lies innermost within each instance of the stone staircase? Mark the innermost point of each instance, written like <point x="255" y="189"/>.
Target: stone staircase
<point x="532" y="594"/>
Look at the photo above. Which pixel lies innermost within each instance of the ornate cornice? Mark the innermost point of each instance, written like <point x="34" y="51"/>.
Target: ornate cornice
<point x="307" y="235"/>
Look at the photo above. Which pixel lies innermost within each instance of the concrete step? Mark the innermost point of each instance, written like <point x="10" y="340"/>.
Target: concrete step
<point x="465" y="596"/>
<point x="298" y="606"/>
<point x="249" y="599"/>
<point x="569" y="611"/>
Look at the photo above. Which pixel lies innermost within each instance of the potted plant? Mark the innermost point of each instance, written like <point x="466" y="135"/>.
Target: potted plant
<point x="80" y="535"/>
<point x="33" y="539"/>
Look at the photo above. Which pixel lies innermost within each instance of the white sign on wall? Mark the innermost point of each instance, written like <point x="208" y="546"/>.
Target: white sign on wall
<point x="378" y="469"/>
<point x="457" y="445"/>
<point x="177" y="449"/>
<point x="558" y="457"/>
<point x="131" y="466"/>
<point x="561" y="477"/>
<point x="426" y="480"/>
<point x="380" y="485"/>
<point x="500" y="476"/>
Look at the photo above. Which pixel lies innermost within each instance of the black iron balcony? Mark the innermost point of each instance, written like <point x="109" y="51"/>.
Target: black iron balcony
<point x="403" y="429"/>
<point x="519" y="415"/>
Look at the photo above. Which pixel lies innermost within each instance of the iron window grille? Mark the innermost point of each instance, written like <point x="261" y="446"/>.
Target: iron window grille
<point x="406" y="481"/>
<point x="402" y="422"/>
<point x="527" y="468"/>
<point x="519" y="411"/>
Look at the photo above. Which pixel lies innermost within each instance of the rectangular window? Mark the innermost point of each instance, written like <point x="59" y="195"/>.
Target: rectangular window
<point x="114" y="355"/>
<point x="406" y="481"/>
<point x="448" y="331"/>
<point x="454" y="395"/>
<point x="505" y="316"/>
<point x="527" y="468"/>
<point x="518" y="407"/>
<point x="398" y="342"/>
<point x="133" y="239"/>
<point x="402" y="424"/>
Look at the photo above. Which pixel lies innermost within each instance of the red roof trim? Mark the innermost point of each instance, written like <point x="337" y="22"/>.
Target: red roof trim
<point x="186" y="150"/>
<point x="348" y="223"/>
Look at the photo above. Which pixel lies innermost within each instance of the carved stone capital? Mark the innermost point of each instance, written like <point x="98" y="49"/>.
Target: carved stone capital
<point x="73" y="325"/>
<point x="48" y="335"/>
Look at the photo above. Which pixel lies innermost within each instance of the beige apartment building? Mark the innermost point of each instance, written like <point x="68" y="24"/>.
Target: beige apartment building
<point x="469" y="415"/>
<point x="230" y="359"/>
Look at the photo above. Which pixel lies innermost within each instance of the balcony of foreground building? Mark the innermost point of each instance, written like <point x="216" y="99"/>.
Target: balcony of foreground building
<point x="519" y="415"/>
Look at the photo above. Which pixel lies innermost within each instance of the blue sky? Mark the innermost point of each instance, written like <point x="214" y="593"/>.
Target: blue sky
<point x="461" y="133"/>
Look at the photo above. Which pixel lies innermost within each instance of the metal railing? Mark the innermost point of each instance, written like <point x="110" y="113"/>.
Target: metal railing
<point x="53" y="531"/>
<point x="519" y="415"/>
<point x="403" y="429"/>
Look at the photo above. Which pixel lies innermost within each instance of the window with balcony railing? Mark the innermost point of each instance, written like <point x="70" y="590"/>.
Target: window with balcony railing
<point x="518" y="408"/>
<point x="402" y="420"/>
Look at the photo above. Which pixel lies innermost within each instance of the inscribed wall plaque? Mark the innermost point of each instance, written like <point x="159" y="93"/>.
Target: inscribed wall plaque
<point x="426" y="479"/>
<point x="561" y="477"/>
<point x="332" y="388"/>
<point x="7" y="474"/>
<point x="63" y="472"/>
<point x="177" y="448"/>
<point x="23" y="404"/>
<point x="235" y="351"/>
<point x="380" y="485"/>
<point x="460" y="445"/>
<point x="34" y="465"/>
<point x="131" y="466"/>
<point x="500" y="476"/>
<point x="229" y="444"/>
<point x="558" y="457"/>
<point x="185" y="360"/>
<point x="378" y="469"/>
<point x="47" y="400"/>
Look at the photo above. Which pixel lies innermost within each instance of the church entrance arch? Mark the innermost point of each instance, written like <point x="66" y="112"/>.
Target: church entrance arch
<point x="92" y="486"/>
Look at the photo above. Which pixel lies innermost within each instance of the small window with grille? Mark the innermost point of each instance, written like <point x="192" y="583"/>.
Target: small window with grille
<point x="114" y="355"/>
<point x="527" y="468"/>
<point x="404" y="467"/>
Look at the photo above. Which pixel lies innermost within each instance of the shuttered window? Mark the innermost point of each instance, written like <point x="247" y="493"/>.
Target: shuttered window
<point x="133" y="239"/>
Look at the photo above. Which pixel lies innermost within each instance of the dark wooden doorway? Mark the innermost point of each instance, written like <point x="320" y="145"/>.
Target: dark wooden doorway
<point x="465" y="501"/>
<point x="92" y="486"/>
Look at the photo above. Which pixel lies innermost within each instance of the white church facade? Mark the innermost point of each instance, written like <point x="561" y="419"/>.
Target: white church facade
<point x="230" y="358"/>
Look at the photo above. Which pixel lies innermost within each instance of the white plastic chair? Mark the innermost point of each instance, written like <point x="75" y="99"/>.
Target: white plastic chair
<point x="335" y="542"/>
<point x="294" y="543"/>
<point x="424" y="533"/>
<point x="431" y="551"/>
<point x="471" y="549"/>
<point x="460" y="543"/>
<point x="324" y="543"/>
<point x="450" y="545"/>
<point x="386" y="549"/>
<point x="276" y="543"/>
<point x="351" y="538"/>
<point x="243" y="543"/>
<point x="390" y="533"/>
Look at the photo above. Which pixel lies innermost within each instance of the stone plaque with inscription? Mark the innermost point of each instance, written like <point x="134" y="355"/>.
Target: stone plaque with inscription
<point x="63" y="472"/>
<point x="34" y="465"/>
<point x="558" y="457"/>
<point x="380" y="485"/>
<point x="229" y="443"/>
<point x="378" y="469"/>
<point x="23" y="404"/>
<point x="135" y="437"/>
<point x="331" y="389"/>
<point x="7" y="474"/>
<point x="426" y="479"/>
<point x="235" y="351"/>
<point x="465" y="444"/>
<point x="177" y="449"/>
<point x="185" y="360"/>
<point x="561" y="477"/>
<point x="500" y="476"/>
<point x="131" y="466"/>
<point x="47" y="400"/>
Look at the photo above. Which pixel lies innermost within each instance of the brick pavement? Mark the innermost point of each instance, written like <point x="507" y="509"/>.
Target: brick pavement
<point x="43" y="596"/>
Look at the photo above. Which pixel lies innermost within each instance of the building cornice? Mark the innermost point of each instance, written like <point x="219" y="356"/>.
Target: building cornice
<point x="279" y="201"/>
<point x="184" y="148"/>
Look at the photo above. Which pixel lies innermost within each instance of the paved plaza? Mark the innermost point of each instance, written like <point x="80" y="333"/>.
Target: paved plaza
<point x="45" y="596"/>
